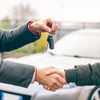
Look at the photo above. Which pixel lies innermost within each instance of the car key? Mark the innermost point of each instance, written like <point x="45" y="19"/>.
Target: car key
<point x="50" y="41"/>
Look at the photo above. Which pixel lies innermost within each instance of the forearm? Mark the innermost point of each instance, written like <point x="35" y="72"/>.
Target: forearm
<point x="14" y="39"/>
<point x="84" y="74"/>
<point x="16" y="73"/>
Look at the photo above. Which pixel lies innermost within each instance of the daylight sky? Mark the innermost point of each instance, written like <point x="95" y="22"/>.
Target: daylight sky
<point x="69" y="10"/>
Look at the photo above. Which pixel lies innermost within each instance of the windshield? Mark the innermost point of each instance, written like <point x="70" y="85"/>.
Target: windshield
<point x="82" y="43"/>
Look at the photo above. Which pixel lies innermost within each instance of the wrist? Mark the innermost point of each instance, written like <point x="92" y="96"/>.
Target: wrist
<point x="30" y="26"/>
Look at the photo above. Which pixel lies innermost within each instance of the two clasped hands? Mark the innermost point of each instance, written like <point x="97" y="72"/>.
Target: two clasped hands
<point x="51" y="78"/>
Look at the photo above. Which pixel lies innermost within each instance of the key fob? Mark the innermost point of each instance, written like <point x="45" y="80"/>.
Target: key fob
<point x="50" y="41"/>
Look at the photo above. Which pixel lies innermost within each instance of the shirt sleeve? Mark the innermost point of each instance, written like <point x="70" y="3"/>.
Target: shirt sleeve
<point x="34" y="76"/>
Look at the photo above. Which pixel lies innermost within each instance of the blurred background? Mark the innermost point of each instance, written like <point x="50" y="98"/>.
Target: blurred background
<point x="71" y="15"/>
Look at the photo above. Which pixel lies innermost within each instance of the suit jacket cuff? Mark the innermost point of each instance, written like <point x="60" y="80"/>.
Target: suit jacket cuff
<point x="34" y="35"/>
<point x="71" y="75"/>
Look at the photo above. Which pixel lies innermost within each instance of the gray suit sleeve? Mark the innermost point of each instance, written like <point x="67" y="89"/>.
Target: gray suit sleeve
<point x="16" y="73"/>
<point x="16" y="38"/>
<point x="84" y="74"/>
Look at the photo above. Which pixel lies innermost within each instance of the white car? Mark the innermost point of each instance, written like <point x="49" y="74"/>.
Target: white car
<point x="79" y="47"/>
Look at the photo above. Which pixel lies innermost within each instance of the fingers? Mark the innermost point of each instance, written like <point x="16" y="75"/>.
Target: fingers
<point x="56" y="82"/>
<point x="50" y="70"/>
<point x="45" y="28"/>
<point x="52" y="25"/>
<point x="53" y="70"/>
<point x="50" y="78"/>
<point x="47" y="25"/>
<point x="59" y="78"/>
<point x="53" y="85"/>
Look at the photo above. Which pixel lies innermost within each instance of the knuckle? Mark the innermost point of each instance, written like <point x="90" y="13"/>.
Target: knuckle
<point x="51" y="84"/>
<point x="57" y="76"/>
<point x="54" y="82"/>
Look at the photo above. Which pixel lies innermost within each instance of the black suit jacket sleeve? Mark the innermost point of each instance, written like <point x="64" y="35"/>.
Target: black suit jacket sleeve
<point x="84" y="74"/>
<point x="16" y="73"/>
<point x="14" y="39"/>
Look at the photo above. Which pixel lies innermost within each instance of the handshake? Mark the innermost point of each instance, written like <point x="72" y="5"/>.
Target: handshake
<point x="51" y="78"/>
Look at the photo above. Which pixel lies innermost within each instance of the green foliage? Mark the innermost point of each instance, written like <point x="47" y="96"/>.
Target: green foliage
<point x="36" y="47"/>
<point x="31" y="48"/>
<point x="5" y="23"/>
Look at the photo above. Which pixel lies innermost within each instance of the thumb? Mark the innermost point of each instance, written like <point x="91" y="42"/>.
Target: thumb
<point x="55" y="71"/>
<point x="45" y="28"/>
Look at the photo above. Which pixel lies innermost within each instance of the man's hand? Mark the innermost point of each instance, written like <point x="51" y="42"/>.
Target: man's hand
<point x="50" y="79"/>
<point x="47" y="25"/>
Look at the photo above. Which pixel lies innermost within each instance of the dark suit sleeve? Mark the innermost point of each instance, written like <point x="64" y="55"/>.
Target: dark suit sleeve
<point x="14" y="39"/>
<point x="16" y="73"/>
<point x="84" y="74"/>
